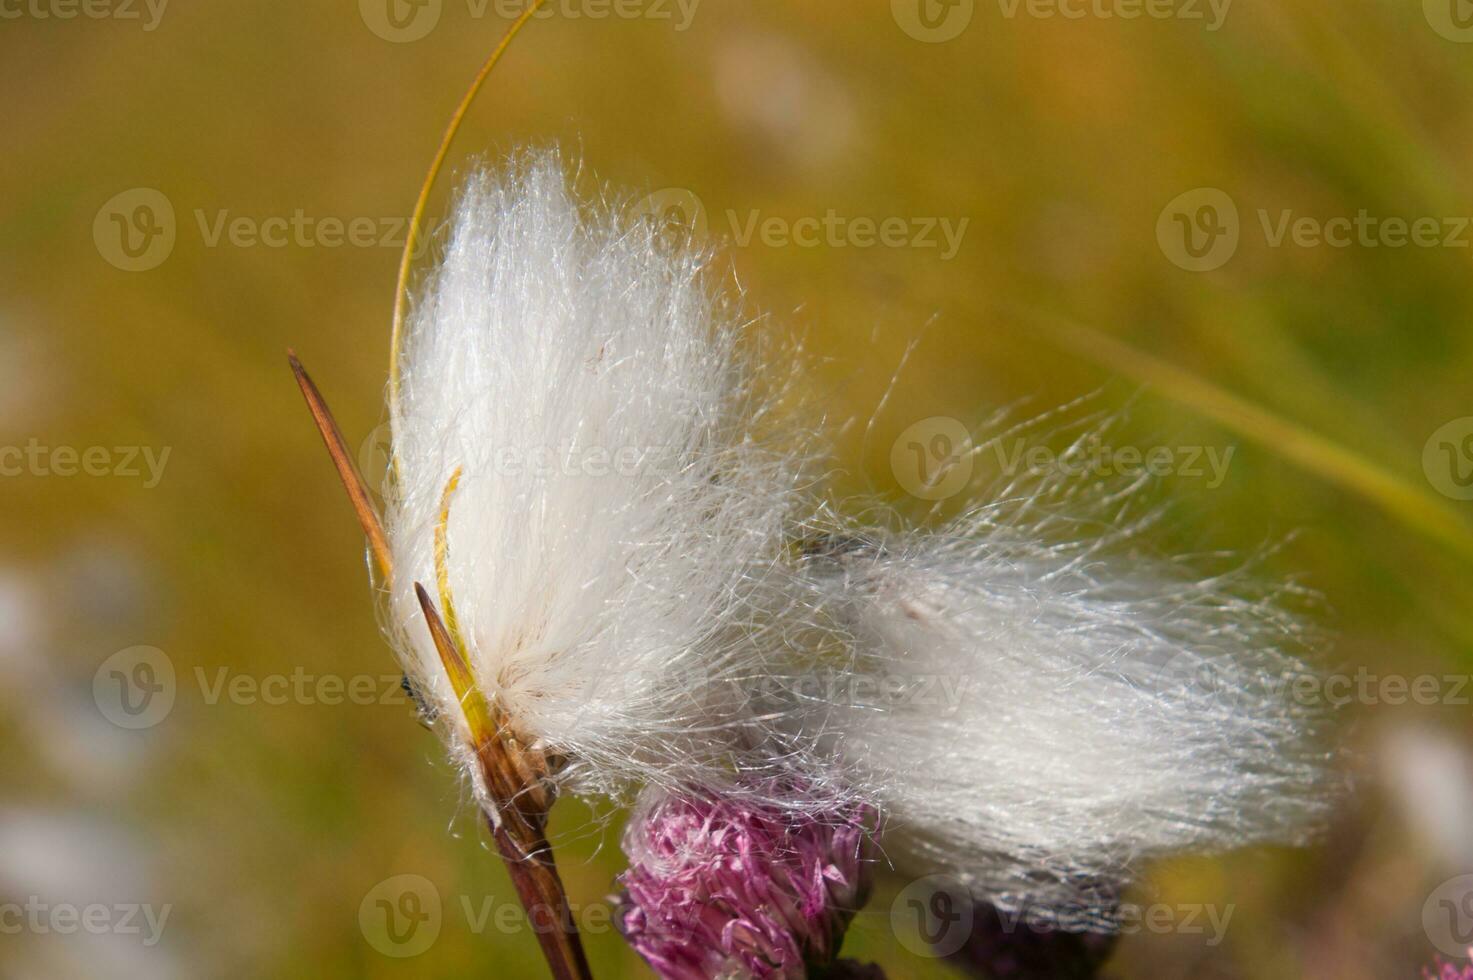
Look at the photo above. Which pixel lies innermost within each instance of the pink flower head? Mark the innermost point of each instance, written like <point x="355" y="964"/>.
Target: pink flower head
<point x="1449" y="971"/>
<point x="720" y="888"/>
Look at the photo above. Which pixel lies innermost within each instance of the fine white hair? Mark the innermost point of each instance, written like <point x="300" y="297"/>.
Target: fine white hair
<point x="1035" y="717"/>
<point x="615" y="525"/>
<point x="643" y="594"/>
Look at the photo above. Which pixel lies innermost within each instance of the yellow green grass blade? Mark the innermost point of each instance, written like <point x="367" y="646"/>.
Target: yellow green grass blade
<point x="1404" y="501"/>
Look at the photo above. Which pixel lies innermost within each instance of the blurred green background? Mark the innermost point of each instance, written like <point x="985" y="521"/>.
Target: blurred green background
<point x="1066" y="144"/>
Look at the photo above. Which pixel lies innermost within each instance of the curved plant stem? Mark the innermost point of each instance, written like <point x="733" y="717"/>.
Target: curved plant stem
<point x="416" y="220"/>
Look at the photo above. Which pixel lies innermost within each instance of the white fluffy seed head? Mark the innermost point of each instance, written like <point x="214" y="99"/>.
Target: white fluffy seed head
<point x="615" y="526"/>
<point x="1036" y="718"/>
<point x="1028" y="714"/>
<point x="1039" y="705"/>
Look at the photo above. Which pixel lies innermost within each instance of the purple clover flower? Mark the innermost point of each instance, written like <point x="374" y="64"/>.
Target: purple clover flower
<point x="1449" y="971"/>
<point x="731" y="888"/>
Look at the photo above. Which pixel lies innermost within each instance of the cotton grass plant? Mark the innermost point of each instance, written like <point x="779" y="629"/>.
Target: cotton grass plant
<point x="643" y="630"/>
<point x="1107" y="706"/>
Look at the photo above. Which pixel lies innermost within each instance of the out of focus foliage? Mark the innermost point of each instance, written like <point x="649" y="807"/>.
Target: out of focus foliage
<point x="1057" y="140"/>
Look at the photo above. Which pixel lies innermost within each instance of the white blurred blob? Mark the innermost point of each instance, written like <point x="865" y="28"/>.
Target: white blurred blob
<point x="20" y="629"/>
<point x="1429" y="775"/>
<point x="25" y="388"/>
<point x="50" y="860"/>
<point x="70" y="735"/>
<point x="104" y="582"/>
<point x="62" y="853"/>
<point x="769" y="85"/>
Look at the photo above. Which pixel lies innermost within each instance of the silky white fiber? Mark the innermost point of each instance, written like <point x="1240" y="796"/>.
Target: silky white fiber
<point x="615" y="524"/>
<point x="646" y="593"/>
<point x="1037" y="718"/>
